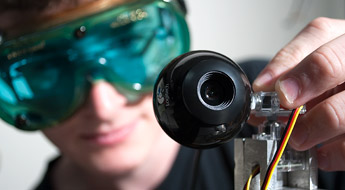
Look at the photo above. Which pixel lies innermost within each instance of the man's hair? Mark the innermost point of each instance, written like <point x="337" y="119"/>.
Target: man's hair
<point x="24" y="4"/>
<point x="31" y="5"/>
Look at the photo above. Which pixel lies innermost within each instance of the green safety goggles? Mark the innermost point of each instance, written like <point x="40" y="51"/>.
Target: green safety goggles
<point x="46" y="75"/>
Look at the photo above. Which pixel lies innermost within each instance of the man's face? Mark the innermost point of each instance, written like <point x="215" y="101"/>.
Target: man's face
<point x="107" y="134"/>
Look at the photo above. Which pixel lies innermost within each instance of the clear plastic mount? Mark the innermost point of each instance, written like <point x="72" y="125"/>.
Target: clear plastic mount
<point x="267" y="104"/>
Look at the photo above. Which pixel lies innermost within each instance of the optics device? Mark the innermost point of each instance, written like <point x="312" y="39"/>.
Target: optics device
<point x="202" y="99"/>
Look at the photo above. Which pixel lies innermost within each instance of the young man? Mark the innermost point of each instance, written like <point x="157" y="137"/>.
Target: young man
<point x="104" y="64"/>
<point x="81" y="71"/>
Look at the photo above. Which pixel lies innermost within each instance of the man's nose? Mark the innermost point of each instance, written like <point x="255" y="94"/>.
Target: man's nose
<point x="105" y="100"/>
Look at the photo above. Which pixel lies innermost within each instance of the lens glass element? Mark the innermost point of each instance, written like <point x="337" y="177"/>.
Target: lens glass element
<point x="212" y="92"/>
<point x="216" y="90"/>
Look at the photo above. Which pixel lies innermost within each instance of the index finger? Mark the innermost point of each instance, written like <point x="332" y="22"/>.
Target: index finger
<point x="315" y="34"/>
<point x="321" y="71"/>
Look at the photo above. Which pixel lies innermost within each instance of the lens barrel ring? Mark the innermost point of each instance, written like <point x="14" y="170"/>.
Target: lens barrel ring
<point x="206" y="62"/>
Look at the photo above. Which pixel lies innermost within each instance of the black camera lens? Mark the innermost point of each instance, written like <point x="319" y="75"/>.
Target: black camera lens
<point x="202" y="99"/>
<point x="212" y="92"/>
<point x="215" y="90"/>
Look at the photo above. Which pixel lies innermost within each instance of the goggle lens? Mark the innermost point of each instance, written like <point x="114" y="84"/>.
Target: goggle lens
<point x="45" y="77"/>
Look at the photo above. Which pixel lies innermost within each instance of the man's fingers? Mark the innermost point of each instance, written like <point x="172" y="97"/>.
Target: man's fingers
<point x="321" y="71"/>
<point x="331" y="156"/>
<point x="320" y="124"/>
<point x="317" y="33"/>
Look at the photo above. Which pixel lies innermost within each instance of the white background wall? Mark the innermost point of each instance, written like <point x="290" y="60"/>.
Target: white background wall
<point x="239" y="29"/>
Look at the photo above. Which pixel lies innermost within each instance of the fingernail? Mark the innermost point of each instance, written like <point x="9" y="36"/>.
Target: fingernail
<point x="323" y="160"/>
<point x="290" y="89"/>
<point x="263" y="79"/>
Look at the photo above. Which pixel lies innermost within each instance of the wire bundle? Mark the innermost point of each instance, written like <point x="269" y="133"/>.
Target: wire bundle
<point x="281" y="147"/>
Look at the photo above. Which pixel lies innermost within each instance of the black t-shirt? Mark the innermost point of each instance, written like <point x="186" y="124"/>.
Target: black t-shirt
<point x="215" y="170"/>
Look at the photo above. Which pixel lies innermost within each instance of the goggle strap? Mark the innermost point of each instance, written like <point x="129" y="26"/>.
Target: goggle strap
<point x="183" y="6"/>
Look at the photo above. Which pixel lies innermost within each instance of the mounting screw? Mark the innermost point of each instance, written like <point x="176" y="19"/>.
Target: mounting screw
<point x="1" y="37"/>
<point x="80" y="32"/>
<point x="21" y="121"/>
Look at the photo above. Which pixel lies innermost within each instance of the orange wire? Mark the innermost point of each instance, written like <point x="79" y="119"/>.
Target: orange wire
<point x="281" y="148"/>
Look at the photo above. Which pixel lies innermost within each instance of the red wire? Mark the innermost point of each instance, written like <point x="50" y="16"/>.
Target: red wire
<point x="280" y="148"/>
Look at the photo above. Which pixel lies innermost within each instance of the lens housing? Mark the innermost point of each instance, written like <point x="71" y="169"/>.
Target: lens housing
<point x="215" y="90"/>
<point x="202" y="99"/>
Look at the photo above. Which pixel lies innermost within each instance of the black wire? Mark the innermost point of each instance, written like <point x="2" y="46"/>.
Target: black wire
<point x="279" y="144"/>
<point x="228" y="163"/>
<point x="196" y="166"/>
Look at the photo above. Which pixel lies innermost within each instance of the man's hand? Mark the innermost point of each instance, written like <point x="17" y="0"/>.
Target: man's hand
<point x="311" y="70"/>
